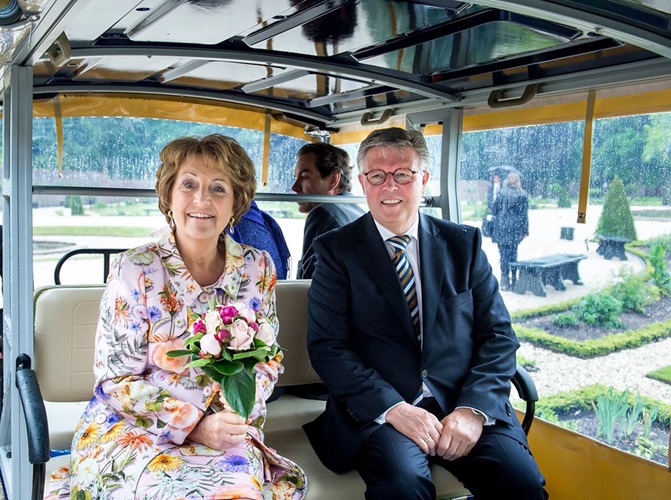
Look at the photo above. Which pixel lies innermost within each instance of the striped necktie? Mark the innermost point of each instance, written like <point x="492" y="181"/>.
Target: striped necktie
<point x="407" y="277"/>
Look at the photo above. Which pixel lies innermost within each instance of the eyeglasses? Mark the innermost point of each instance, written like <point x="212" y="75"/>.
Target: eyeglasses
<point x="401" y="176"/>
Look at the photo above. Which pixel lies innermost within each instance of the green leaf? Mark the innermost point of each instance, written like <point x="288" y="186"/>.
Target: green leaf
<point x="260" y="354"/>
<point x="227" y="367"/>
<point x="198" y="362"/>
<point x="191" y="340"/>
<point x="178" y="352"/>
<point x="240" y="392"/>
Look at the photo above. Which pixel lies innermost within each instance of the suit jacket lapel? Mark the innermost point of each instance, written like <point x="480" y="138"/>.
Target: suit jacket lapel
<point x="373" y="254"/>
<point x="432" y="251"/>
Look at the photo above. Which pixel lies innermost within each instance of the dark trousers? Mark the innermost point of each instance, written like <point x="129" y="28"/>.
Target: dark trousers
<point x="498" y="467"/>
<point x="508" y="254"/>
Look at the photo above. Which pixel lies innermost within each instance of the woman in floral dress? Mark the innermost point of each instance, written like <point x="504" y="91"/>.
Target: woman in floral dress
<point x="156" y="429"/>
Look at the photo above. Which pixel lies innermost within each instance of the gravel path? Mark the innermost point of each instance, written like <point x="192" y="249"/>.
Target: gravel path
<point x="622" y="370"/>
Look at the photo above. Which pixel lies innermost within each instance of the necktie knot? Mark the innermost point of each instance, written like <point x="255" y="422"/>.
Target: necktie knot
<point x="399" y="243"/>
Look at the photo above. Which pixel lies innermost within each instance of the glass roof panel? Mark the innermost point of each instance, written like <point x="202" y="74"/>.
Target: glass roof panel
<point x="477" y="45"/>
<point x="356" y="25"/>
<point x="659" y="5"/>
<point x="314" y="85"/>
<point x="224" y="75"/>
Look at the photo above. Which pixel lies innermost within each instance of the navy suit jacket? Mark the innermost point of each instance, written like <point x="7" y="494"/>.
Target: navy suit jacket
<point x="362" y="343"/>
<point x="321" y="219"/>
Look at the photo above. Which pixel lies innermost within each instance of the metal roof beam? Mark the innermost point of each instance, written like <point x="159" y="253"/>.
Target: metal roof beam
<point x="349" y="95"/>
<point x="293" y="21"/>
<point x="51" y="24"/>
<point x="340" y="66"/>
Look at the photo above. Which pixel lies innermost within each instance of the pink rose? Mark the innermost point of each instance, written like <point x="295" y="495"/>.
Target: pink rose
<point x="227" y="314"/>
<point x="198" y="326"/>
<point x="266" y="333"/>
<point x="241" y="338"/>
<point x="223" y="335"/>
<point x="210" y="345"/>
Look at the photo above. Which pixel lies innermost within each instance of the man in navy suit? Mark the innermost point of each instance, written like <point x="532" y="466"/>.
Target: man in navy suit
<point x="322" y="168"/>
<point x="403" y="396"/>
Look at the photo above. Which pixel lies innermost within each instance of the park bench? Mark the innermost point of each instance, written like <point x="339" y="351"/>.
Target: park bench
<point x="612" y="246"/>
<point x="65" y="322"/>
<point x="534" y="274"/>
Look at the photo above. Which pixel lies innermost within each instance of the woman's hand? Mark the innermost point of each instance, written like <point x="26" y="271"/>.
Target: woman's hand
<point x="220" y="431"/>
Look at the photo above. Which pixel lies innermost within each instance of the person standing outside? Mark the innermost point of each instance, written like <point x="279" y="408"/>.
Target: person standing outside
<point x="322" y="168"/>
<point x="511" y="221"/>
<point x="409" y="333"/>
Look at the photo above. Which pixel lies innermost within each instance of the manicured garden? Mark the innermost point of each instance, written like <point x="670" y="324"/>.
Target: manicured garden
<point x="633" y="311"/>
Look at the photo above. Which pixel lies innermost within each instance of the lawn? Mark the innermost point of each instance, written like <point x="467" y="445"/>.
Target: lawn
<point x="663" y="374"/>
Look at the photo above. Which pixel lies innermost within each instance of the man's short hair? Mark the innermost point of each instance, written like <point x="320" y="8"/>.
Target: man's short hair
<point x="329" y="159"/>
<point x="395" y="137"/>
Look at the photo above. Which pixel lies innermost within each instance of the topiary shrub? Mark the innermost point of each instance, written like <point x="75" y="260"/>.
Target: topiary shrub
<point x="74" y="203"/>
<point x="660" y="275"/>
<point x="616" y="219"/>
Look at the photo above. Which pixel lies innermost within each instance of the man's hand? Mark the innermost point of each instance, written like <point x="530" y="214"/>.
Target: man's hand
<point x="416" y="424"/>
<point x="461" y="430"/>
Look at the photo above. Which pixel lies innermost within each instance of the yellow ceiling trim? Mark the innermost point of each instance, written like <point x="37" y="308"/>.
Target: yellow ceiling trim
<point x="658" y="101"/>
<point x="169" y="109"/>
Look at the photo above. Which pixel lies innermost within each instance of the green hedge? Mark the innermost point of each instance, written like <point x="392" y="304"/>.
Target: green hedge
<point x="595" y="347"/>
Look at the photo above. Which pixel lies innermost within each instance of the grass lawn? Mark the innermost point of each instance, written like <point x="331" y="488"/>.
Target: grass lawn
<point x="117" y="231"/>
<point x="663" y="374"/>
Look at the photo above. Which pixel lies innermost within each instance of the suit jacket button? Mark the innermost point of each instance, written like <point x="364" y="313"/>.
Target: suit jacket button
<point x="425" y="373"/>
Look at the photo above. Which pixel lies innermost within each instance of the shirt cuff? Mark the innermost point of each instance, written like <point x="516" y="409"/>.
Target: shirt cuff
<point x="488" y="420"/>
<point x="382" y="419"/>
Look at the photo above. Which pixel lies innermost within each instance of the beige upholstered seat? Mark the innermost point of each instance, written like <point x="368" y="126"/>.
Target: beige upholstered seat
<point x="65" y="323"/>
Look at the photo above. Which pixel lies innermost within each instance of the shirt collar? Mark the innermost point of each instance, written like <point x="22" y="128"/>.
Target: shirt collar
<point x="386" y="233"/>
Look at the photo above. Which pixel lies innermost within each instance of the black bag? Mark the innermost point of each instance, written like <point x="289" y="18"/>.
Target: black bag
<point x="487" y="227"/>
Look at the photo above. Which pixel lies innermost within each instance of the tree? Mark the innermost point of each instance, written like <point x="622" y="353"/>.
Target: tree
<point x="616" y="219"/>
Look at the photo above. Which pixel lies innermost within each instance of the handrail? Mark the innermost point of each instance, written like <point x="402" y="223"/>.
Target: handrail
<point x="527" y="390"/>
<point x="37" y="423"/>
<point x="105" y="252"/>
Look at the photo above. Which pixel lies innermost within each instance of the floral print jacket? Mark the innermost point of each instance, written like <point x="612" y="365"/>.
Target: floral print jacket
<point x="132" y="435"/>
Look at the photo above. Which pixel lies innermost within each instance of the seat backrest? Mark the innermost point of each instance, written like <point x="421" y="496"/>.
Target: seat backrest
<point x="292" y="311"/>
<point x="65" y="324"/>
<point x="66" y="317"/>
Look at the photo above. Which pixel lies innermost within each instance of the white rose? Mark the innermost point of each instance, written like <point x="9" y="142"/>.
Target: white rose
<point x="210" y="345"/>
<point x="241" y="339"/>
<point x="212" y="321"/>
<point x="266" y="333"/>
<point x="248" y="314"/>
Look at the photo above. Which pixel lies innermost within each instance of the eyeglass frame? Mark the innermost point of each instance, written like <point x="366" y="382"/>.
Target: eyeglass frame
<point x="393" y="175"/>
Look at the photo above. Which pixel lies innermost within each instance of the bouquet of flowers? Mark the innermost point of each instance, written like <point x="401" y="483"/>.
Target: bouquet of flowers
<point x="227" y="342"/>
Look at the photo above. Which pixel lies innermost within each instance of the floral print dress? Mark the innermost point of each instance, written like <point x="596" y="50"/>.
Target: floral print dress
<point x="131" y="441"/>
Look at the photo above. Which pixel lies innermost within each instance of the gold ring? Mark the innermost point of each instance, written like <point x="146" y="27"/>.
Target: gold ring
<point x="427" y="439"/>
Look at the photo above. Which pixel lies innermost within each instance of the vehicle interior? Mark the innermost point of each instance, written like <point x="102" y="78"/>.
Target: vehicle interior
<point x="316" y="70"/>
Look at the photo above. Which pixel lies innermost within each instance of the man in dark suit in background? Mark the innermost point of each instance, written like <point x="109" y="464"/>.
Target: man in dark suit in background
<point x="420" y="373"/>
<point x="322" y="169"/>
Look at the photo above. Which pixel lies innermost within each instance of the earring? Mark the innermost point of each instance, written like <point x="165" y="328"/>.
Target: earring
<point x="231" y="224"/>
<point x="171" y="220"/>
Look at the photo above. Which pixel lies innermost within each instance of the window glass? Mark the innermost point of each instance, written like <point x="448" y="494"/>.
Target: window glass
<point x="576" y="291"/>
<point x="123" y="152"/>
